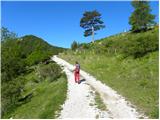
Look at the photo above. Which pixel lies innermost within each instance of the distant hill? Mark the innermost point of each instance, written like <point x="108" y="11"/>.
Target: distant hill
<point x="36" y="50"/>
<point x="31" y="43"/>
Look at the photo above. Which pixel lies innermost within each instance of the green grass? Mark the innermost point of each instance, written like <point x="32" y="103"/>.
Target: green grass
<point x="136" y="79"/>
<point x="99" y="102"/>
<point x="46" y="101"/>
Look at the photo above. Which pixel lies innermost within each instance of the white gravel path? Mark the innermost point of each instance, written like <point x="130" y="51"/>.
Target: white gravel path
<point x="79" y="98"/>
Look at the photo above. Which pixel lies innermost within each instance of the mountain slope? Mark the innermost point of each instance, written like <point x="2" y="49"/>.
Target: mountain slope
<point x="20" y="58"/>
<point x="126" y="62"/>
<point x="31" y="43"/>
<point x="34" y="48"/>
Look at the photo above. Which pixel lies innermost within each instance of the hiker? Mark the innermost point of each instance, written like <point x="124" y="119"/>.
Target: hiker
<point x="77" y="72"/>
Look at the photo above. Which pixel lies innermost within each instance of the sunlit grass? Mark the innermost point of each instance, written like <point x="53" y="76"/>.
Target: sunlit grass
<point x="136" y="79"/>
<point x="46" y="101"/>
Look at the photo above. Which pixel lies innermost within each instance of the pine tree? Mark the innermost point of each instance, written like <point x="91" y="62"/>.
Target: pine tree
<point x="74" y="45"/>
<point x="91" y="22"/>
<point x="141" y="18"/>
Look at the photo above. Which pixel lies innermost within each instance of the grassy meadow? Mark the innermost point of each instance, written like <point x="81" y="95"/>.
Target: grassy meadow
<point x="136" y="78"/>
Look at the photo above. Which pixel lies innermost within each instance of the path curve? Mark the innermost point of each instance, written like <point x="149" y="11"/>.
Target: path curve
<point x="79" y="98"/>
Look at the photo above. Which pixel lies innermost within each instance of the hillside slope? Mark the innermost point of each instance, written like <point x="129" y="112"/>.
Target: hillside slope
<point x="126" y="62"/>
<point x="35" y="48"/>
<point x="28" y="78"/>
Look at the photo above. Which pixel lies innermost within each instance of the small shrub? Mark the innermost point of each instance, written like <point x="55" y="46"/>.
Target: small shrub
<point x="11" y="93"/>
<point x="51" y="71"/>
<point x="37" y="57"/>
<point x="141" y="44"/>
<point x="84" y="46"/>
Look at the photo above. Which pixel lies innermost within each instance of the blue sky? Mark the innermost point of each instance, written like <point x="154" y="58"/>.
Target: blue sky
<point x="58" y="22"/>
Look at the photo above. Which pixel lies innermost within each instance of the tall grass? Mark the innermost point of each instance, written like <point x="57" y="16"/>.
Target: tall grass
<point x="136" y="79"/>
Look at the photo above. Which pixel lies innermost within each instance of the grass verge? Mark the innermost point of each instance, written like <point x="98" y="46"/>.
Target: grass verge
<point x="99" y="102"/>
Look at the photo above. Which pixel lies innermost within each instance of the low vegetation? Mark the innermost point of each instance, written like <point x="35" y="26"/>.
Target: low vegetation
<point x="127" y="62"/>
<point x="99" y="102"/>
<point x="46" y="103"/>
<point x="25" y="61"/>
<point x="41" y="98"/>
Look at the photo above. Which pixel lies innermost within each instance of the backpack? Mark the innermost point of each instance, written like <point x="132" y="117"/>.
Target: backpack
<point x="77" y="68"/>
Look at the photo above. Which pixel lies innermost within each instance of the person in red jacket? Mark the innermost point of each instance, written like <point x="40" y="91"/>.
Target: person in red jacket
<point x="77" y="72"/>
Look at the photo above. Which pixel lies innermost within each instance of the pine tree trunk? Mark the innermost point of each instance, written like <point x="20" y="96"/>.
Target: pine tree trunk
<point x="93" y="34"/>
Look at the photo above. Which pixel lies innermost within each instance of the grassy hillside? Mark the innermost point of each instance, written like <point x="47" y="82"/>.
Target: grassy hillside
<point x="126" y="62"/>
<point x="28" y="78"/>
<point x="35" y="49"/>
<point x="47" y="94"/>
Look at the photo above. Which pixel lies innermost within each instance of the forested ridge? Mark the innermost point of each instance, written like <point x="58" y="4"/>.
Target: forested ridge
<point x="18" y="55"/>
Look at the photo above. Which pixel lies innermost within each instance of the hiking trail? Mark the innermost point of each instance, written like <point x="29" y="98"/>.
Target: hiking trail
<point x="80" y="102"/>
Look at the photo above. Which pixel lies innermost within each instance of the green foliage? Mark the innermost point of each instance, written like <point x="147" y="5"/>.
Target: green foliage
<point x="12" y="66"/>
<point x="139" y="45"/>
<point x="11" y="91"/>
<point x="37" y="57"/>
<point x="6" y="34"/>
<point x="35" y="49"/>
<point x="74" y="45"/>
<point x="128" y="44"/>
<point x="111" y="60"/>
<point x="84" y="46"/>
<point x="91" y="19"/>
<point x="17" y="54"/>
<point x="46" y="100"/>
<point x="141" y="18"/>
<point x="51" y="71"/>
<point x="155" y="112"/>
